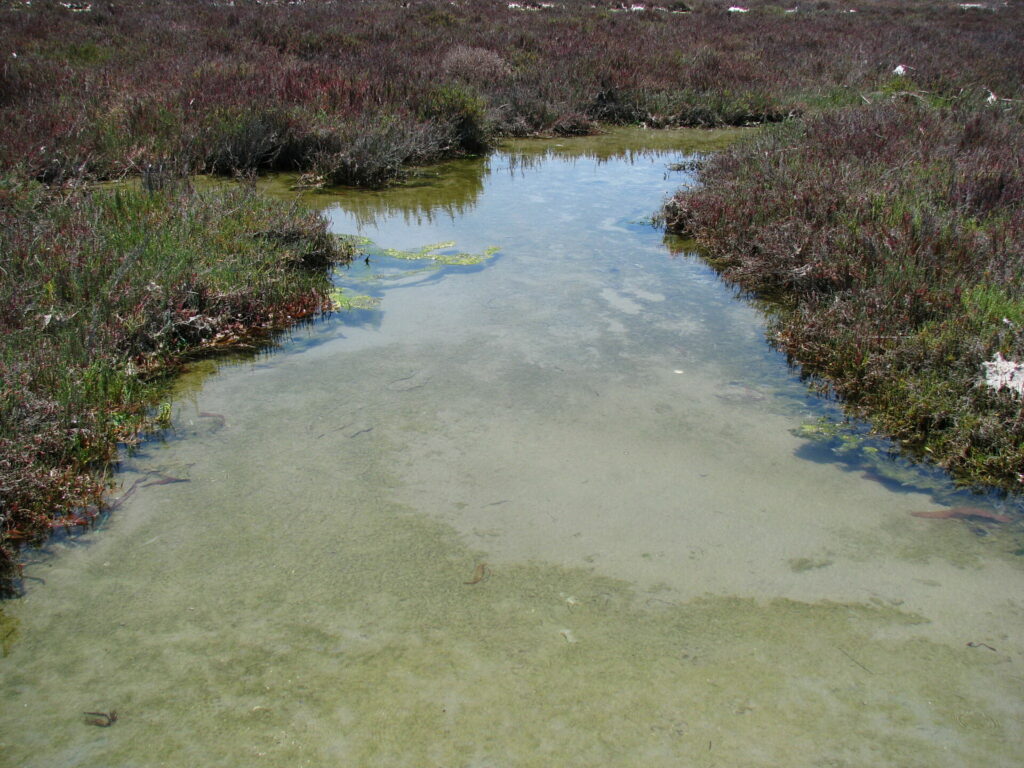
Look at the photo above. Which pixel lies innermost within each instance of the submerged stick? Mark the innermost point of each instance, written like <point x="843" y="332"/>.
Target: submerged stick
<point x="964" y="513"/>
<point x="847" y="655"/>
<point x="101" y="719"/>
<point x="218" y="419"/>
<point x="480" y="573"/>
<point x="115" y="503"/>
<point x="164" y="479"/>
<point x="980" y="645"/>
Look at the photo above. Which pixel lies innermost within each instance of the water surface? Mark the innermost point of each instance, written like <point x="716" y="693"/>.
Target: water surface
<point x="668" y="581"/>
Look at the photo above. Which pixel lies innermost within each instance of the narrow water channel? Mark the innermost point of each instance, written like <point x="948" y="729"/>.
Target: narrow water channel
<point x="547" y="508"/>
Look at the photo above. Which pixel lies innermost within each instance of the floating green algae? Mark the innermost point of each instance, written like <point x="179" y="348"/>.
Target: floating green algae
<point x="356" y="241"/>
<point x="436" y="256"/>
<point x="342" y="301"/>
<point x="443" y="253"/>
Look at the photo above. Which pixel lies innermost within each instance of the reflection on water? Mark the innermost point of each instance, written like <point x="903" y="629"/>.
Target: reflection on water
<point x="628" y="144"/>
<point x="596" y="428"/>
<point x="447" y="190"/>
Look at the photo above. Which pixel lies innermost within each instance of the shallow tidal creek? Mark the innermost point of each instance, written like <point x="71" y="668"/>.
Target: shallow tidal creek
<point x="547" y="506"/>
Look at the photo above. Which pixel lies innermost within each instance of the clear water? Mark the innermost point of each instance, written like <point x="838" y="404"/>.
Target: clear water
<point x="547" y="510"/>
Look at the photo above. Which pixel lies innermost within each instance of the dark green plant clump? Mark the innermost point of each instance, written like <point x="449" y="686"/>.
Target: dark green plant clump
<point x="102" y="289"/>
<point x="892" y="237"/>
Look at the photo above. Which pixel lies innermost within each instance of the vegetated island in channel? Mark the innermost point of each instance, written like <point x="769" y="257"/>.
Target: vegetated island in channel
<point x="900" y="123"/>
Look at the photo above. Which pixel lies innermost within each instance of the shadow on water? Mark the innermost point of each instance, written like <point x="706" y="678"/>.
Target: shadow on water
<point x="833" y="438"/>
<point x="851" y="445"/>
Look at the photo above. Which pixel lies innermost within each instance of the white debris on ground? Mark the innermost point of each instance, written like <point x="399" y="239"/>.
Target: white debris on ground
<point x="1004" y="374"/>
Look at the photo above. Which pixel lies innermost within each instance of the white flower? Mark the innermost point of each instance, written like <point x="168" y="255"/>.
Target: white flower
<point x="1004" y="374"/>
